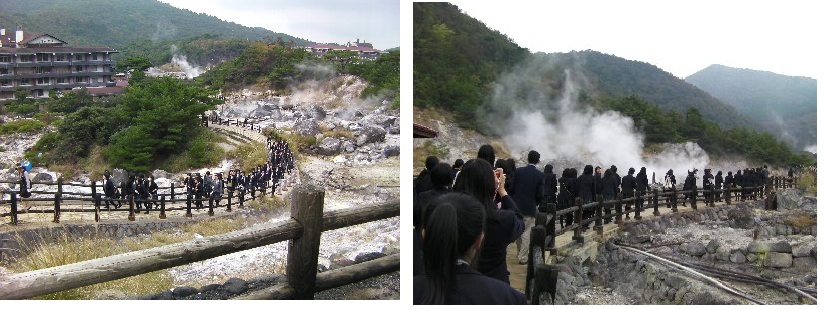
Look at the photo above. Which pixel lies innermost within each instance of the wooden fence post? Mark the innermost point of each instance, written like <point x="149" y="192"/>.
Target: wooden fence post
<point x="302" y="258"/>
<point x="655" y="202"/>
<point x="619" y="215"/>
<point x="211" y="207"/>
<point x="536" y="240"/>
<point x="599" y="215"/>
<point x="14" y="208"/>
<point x="162" y="207"/>
<point x="188" y="205"/>
<point x="694" y="198"/>
<point x="553" y="209"/>
<point x="229" y="202"/>
<point x="57" y="207"/>
<point x="94" y="188"/>
<point x="172" y="189"/>
<point x="727" y="195"/>
<point x="131" y="208"/>
<point x="96" y="205"/>
<point x="637" y="201"/>
<point x="579" y="216"/>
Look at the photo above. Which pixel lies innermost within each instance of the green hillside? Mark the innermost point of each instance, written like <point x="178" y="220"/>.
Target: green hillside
<point x="784" y="104"/>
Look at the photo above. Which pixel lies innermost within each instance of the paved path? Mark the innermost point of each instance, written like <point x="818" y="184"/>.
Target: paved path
<point x="517" y="273"/>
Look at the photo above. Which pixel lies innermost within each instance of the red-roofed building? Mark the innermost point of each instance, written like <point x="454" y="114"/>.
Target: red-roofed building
<point x="365" y="50"/>
<point x="40" y="62"/>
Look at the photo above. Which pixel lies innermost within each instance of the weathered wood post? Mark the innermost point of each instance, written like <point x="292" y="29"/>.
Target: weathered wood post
<point x="553" y="209"/>
<point x="712" y="196"/>
<point x="727" y="195"/>
<point x="536" y="242"/>
<point x="655" y="202"/>
<point x="211" y="207"/>
<point x="619" y="215"/>
<point x="94" y="190"/>
<point x="172" y="189"/>
<point x="14" y="208"/>
<point x="242" y="197"/>
<point x="694" y="198"/>
<point x="188" y="205"/>
<point x="546" y="279"/>
<point x="229" y="202"/>
<point x="674" y="200"/>
<point x="56" y="208"/>
<point x="96" y="206"/>
<point x="637" y="201"/>
<point x="131" y="208"/>
<point x="162" y="207"/>
<point x="599" y="215"/>
<point x="579" y="216"/>
<point x="302" y="259"/>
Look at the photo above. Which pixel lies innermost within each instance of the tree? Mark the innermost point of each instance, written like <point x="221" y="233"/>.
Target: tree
<point x="134" y="64"/>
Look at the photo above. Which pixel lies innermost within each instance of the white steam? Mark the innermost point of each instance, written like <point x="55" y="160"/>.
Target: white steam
<point x="570" y="135"/>
<point x="179" y="67"/>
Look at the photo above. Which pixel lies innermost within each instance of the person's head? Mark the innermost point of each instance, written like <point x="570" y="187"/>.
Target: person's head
<point x="189" y="174"/>
<point x="547" y="169"/>
<point x="614" y="169"/>
<point x="588" y="170"/>
<point x="453" y="229"/>
<point x="533" y="157"/>
<point x="207" y="172"/>
<point x="729" y="172"/>
<point x="608" y="174"/>
<point x="669" y="172"/>
<point x="106" y="173"/>
<point x="458" y="164"/>
<point x="598" y="170"/>
<point x="478" y="180"/>
<point x="431" y="161"/>
<point x="719" y="172"/>
<point x="486" y="152"/>
<point x="573" y="173"/>
<point x="643" y="171"/>
<point x="441" y="175"/>
<point x="631" y="171"/>
<point x="151" y="178"/>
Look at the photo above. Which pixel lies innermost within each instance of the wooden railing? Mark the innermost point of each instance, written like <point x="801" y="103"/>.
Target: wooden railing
<point x="302" y="230"/>
<point x="541" y="278"/>
<point x="94" y="201"/>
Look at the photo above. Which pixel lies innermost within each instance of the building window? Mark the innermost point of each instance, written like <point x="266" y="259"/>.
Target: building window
<point x="60" y="57"/>
<point x="39" y="93"/>
<point x="5" y="58"/>
<point x="62" y="80"/>
<point x="42" y="57"/>
<point x="4" y="71"/>
<point x="94" y="56"/>
<point x="78" y="57"/>
<point x="42" y="70"/>
<point x="78" y="69"/>
<point x="25" y="82"/>
<point x="42" y="81"/>
<point x="5" y="82"/>
<point x="26" y="58"/>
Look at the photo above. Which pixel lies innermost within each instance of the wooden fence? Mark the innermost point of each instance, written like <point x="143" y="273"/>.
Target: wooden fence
<point x="541" y="278"/>
<point x="94" y="201"/>
<point x="302" y="230"/>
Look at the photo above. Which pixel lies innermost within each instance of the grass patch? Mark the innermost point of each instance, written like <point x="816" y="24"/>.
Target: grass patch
<point x="21" y="126"/>
<point x="202" y="151"/>
<point x="250" y="156"/>
<point x="419" y="154"/>
<point x="95" y="164"/>
<point x="44" y="255"/>
<point x="267" y="201"/>
<point x="807" y="182"/>
<point x="800" y="220"/>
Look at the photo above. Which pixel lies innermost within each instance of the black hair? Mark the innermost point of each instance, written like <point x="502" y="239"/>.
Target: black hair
<point x="458" y="163"/>
<point x="631" y="170"/>
<point x="452" y="223"/>
<point x="431" y="161"/>
<point x="533" y="157"/>
<point x="486" y="152"/>
<point x="547" y="169"/>
<point x="588" y="169"/>
<point x="441" y="175"/>
<point x="477" y="180"/>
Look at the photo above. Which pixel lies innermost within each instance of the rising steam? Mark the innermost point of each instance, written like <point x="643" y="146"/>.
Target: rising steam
<point x="530" y="114"/>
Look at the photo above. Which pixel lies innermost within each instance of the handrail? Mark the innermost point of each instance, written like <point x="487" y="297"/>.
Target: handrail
<point x="307" y="198"/>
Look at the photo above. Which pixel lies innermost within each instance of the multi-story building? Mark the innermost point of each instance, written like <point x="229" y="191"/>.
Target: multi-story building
<point x="40" y="62"/>
<point x="365" y="50"/>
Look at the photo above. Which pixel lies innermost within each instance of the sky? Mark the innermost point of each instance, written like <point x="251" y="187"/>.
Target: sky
<point x="681" y="38"/>
<point x="324" y="21"/>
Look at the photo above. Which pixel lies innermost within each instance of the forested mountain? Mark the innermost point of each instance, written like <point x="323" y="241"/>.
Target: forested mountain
<point x="457" y="58"/>
<point x="784" y="104"/>
<point x="125" y="25"/>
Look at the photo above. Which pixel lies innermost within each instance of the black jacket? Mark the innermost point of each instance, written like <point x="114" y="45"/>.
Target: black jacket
<point x="641" y="182"/>
<point x="502" y="228"/>
<point x="528" y="189"/>
<point x="719" y="181"/>
<point x="586" y="187"/>
<point x="628" y="185"/>
<point x="472" y="288"/>
<point x="610" y="186"/>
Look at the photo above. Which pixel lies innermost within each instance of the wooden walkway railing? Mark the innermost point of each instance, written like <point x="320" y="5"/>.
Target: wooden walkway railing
<point x="541" y="278"/>
<point x="93" y="202"/>
<point x="302" y="230"/>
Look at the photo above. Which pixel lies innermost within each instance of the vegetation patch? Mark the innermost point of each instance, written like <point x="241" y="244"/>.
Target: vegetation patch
<point x="800" y="220"/>
<point x="250" y="156"/>
<point x="808" y="182"/>
<point x="21" y="126"/>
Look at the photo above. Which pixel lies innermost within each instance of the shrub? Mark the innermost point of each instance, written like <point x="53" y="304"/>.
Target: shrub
<point x="21" y="126"/>
<point x="250" y="156"/>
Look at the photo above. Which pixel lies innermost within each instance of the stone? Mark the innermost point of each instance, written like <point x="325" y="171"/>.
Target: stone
<point x="722" y="254"/>
<point x="307" y="128"/>
<point x="695" y="248"/>
<point x="381" y="120"/>
<point x="365" y="257"/>
<point x="738" y="257"/>
<point x="183" y="291"/>
<point x="370" y="134"/>
<point x="42" y="177"/>
<point x="339" y="260"/>
<point x="762" y="247"/>
<point x="161" y="174"/>
<point x="209" y="287"/>
<point x="235" y="286"/>
<point x="810" y="279"/>
<point x="329" y="146"/>
<point x="712" y="246"/>
<point x="751" y="257"/>
<point x="166" y="295"/>
<point x="393" y="150"/>
<point x="803" y="249"/>
<point x="806" y="263"/>
<point x="780" y="260"/>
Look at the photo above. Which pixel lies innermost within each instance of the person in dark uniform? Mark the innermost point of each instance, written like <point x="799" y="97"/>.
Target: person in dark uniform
<point x="738" y="182"/>
<point x="24" y="190"/>
<point x="690" y="184"/>
<point x="628" y="187"/>
<point x="487" y="153"/>
<point x="527" y="192"/>
<point x="610" y="192"/>
<point x="424" y="182"/>
<point x="669" y="185"/>
<point x="217" y="190"/>
<point x="454" y="226"/>
<point x="456" y="168"/>
<point x="599" y="181"/>
<point x="153" y="191"/>
<point x="729" y="182"/>
<point x="198" y="189"/>
<point x="707" y="186"/>
<point x="189" y="182"/>
<point x="441" y="176"/>
<point x="127" y="189"/>
<point x="642" y="186"/>
<point x="231" y="183"/>
<point x="142" y="187"/>
<point x="551" y="182"/>
<point x="503" y="225"/>
<point x="110" y="191"/>
<point x="586" y="190"/>
<point x="719" y="184"/>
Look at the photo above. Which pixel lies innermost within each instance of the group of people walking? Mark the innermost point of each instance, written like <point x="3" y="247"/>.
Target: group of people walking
<point x="467" y="214"/>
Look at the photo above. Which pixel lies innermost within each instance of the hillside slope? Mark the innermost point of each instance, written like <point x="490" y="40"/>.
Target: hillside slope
<point x="785" y="104"/>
